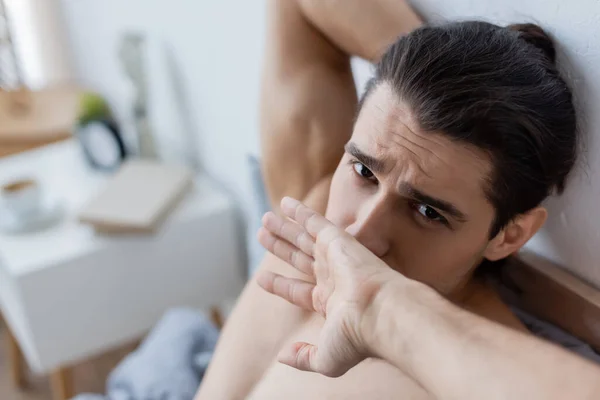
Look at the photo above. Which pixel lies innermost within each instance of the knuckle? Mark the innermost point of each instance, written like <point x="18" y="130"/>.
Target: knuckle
<point x="281" y="228"/>
<point x="291" y="292"/>
<point x="310" y="219"/>
<point x="289" y="231"/>
<point x="293" y="258"/>
<point x="305" y="241"/>
<point x="297" y="238"/>
<point x="308" y="265"/>
<point x="277" y="247"/>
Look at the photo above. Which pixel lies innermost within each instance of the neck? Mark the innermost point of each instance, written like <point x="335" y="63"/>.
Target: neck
<point x="462" y="292"/>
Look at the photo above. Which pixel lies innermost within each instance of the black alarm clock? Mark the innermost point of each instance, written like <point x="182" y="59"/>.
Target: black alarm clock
<point x="102" y="143"/>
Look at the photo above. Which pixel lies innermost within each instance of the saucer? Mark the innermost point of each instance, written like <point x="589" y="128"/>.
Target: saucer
<point x="49" y="213"/>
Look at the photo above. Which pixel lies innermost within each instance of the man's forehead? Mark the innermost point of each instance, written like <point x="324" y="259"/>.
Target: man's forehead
<point x="386" y="129"/>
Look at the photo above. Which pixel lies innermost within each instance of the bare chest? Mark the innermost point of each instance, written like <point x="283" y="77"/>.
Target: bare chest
<point x="372" y="379"/>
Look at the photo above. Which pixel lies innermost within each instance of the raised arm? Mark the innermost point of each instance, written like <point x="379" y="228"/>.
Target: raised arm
<point x="363" y="28"/>
<point x="309" y="98"/>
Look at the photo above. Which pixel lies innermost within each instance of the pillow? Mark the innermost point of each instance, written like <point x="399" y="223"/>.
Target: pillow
<point x="536" y="326"/>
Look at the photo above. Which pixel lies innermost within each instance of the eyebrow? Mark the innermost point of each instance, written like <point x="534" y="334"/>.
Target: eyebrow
<point x="406" y="189"/>
<point x="409" y="190"/>
<point x="370" y="162"/>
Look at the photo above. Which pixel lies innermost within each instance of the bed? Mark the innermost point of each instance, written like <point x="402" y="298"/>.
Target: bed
<point x="549" y="292"/>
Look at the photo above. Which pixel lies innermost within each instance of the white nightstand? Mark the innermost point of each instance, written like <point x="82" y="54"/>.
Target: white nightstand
<point x="68" y="293"/>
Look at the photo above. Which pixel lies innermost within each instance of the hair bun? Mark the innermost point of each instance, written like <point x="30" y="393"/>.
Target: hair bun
<point x="535" y="35"/>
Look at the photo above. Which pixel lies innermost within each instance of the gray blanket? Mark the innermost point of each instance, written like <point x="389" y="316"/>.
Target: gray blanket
<point x="168" y="365"/>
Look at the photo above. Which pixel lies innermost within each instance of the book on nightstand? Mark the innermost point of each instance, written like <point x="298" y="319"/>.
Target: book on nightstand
<point x="138" y="198"/>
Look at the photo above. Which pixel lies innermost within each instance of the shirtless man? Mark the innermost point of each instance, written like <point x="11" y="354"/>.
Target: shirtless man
<point x="428" y="217"/>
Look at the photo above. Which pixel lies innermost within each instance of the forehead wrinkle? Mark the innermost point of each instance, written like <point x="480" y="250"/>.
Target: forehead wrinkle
<point x="412" y="142"/>
<point x="389" y="112"/>
<point x="381" y="145"/>
<point x="391" y="130"/>
<point x="477" y="155"/>
<point x="412" y="122"/>
<point x="428" y="150"/>
<point x="475" y="152"/>
<point x="400" y="113"/>
<point x="397" y="113"/>
<point x="418" y="164"/>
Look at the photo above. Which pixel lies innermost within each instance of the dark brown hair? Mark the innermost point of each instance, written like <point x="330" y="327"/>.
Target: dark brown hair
<point x="495" y="88"/>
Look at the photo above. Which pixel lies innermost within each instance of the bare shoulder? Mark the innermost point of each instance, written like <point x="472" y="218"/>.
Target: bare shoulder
<point x="486" y="302"/>
<point x="257" y="327"/>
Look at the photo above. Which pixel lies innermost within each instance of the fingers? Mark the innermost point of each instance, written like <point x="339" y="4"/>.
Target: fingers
<point x="296" y="291"/>
<point x="314" y="223"/>
<point x="286" y="252"/>
<point x="290" y="231"/>
<point x="300" y="355"/>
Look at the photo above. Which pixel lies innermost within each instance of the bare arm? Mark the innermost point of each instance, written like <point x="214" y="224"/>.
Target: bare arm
<point x="370" y="310"/>
<point x="455" y="354"/>
<point x="307" y="103"/>
<point x="248" y="343"/>
<point x="308" y="95"/>
<point x="363" y="28"/>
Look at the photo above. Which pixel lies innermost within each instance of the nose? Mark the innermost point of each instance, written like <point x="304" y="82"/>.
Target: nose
<point x="371" y="227"/>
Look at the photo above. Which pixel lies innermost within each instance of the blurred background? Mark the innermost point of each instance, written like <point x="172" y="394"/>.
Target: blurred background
<point x="130" y="172"/>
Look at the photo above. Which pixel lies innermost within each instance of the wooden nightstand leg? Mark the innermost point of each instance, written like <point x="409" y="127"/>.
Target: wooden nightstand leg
<point x="16" y="361"/>
<point x="62" y="384"/>
<point x="216" y="317"/>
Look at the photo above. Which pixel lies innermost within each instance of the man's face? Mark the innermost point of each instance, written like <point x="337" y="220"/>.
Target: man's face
<point x="415" y="199"/>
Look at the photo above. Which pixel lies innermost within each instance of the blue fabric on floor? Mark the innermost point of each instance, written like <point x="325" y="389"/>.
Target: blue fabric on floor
<point x="170" y="362"/>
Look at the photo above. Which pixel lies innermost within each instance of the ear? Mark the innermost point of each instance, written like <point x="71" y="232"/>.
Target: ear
<point x="514" y="235"/>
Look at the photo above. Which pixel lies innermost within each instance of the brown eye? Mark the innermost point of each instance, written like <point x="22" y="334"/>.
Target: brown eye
<point x="363" y="171"/>
<point x="430" y="214"/>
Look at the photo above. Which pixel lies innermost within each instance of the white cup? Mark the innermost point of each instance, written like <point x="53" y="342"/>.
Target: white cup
<point x="21" y="197"/>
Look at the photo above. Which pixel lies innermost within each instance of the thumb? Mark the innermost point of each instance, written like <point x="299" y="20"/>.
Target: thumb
<point x="306" y="357"/>
<point x="299" y="355"/>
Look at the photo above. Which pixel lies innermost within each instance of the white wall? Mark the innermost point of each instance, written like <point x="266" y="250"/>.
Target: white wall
<point x="209" y="50"/>
<point x="217" y="46"/>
